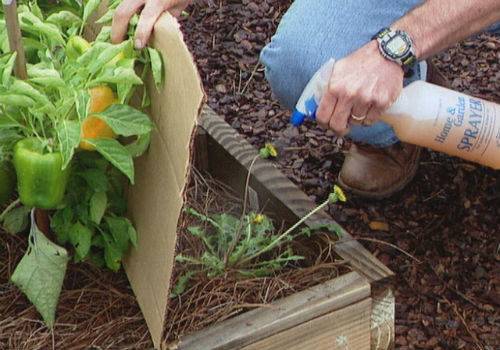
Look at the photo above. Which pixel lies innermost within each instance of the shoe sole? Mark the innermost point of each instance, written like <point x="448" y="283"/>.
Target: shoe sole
<point x="386" y="194"/>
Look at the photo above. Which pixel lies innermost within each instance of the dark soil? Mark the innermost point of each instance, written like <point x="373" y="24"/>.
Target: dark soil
<point x="447" y="218"/>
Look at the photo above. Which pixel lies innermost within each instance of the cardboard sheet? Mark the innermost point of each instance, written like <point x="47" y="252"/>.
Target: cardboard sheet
<point x="156" y="200"/>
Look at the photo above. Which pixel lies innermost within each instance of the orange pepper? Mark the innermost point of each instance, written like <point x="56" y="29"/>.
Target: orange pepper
<point x="101" y="97"/>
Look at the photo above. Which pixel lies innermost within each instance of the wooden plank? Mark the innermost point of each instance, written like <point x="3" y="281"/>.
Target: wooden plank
<point x="345" y="329"/>
<point x="93" y="29"/>
<point x="15" y="40"/>
<point x="229" y="150"/>
<point x="284" y="314"/>
<point x="201" y="150"/>
<point x="383" y="318"/>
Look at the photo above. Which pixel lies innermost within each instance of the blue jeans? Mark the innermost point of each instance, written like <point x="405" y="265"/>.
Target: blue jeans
<point x="313" y="31"/>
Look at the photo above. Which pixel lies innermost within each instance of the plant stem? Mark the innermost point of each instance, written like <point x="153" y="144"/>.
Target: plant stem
<point x="242" y="219"/>
<point x="9" y="208"/>
<point x="287" y="232"/>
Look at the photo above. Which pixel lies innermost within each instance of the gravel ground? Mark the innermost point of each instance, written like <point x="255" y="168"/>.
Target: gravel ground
<point x="446" y="219"/>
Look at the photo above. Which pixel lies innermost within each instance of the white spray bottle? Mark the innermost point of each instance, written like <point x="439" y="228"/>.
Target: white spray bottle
<point x="427" y="115"/>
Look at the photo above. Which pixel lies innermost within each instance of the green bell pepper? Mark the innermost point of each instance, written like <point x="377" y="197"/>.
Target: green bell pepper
<point x="41" y="181"/>
<point x="7" y="182"/>
<point x="76" y="47"/>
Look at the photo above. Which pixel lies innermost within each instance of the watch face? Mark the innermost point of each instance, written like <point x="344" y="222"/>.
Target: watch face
<point x="396" y="45"/>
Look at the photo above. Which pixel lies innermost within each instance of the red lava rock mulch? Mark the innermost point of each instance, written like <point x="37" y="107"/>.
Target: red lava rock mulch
<point x="447" y="218"/>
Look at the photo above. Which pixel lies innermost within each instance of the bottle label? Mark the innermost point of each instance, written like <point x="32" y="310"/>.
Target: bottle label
<point x="470" y="125"/>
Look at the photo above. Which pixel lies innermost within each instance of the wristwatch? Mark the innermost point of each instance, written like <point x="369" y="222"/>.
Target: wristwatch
<point x="397" y="46"/>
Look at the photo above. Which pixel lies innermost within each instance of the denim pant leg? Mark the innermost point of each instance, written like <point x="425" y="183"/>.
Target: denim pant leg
<point x="495" y="29"/>
<point x="313" y="31"/>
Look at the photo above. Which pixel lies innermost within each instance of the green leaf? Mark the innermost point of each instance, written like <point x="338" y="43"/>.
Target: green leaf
<point x="91" y="54"/>
<point x="181" y="285"/>
<point x="68" y="134"/>
<point x="90" y="7"/>
<point x="97" y="259"/>
<point x="118" y="75"/>
<point x="126" y="121"/>
<point x="32" y="24"/>
<point x="112" y="255"/>
<point x="46" y="77"/>
<point x="119" y="228"/>
<point x="49" y="82"/>
<point x="40" y="273"/>
<point x="96" y="179"/>
<point x="4" y="40"/>
<point x="23" y="88"/>
<point x="80" y="237"/>
<point x="156" y="66"/>
<point x="16" y="220"/>
<point x="104" y="34"/>
<point x="16" y="100"/>
<point x="132" y="234"/>
<point x="8" y="68"/>
<point x="8" y="138"/>
<point x="109" y="53"/>
<point x="98" y="204"/>
<point x="139" y="146"/>
<point x="116" y="154"/>
<point x="61" y="223"/>
<point x="82" y="101"/>
<point x="106" y="18"/>
<point x="98" y="241"/>
<point x="64" y="19"/>
<point x="185" y="259"/>
<point x="36" y="10"/>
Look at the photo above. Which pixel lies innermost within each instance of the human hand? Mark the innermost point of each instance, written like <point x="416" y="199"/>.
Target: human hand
<point x="151" y="11"/>
<point x="363" y="84"/>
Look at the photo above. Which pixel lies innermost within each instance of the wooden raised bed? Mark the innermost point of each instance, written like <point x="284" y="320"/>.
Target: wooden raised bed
<point x="354" y="311"/>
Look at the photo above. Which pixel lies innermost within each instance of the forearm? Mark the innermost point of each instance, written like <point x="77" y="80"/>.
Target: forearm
<point x="438" y="24"/>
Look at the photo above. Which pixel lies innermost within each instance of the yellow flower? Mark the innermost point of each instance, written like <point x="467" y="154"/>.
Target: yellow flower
<point x="273" y="152"/>
<point x="258" y="219"/>
<point x="339" y="193"/>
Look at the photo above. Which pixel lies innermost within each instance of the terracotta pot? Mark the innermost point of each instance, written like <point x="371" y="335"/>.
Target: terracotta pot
<point x="42" y="220"/>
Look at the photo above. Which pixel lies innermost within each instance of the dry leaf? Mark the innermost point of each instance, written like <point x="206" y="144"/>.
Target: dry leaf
<point x="379" y="226"/>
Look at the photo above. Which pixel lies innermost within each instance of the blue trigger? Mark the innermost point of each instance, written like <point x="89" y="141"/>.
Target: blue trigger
<point x="311" y="108"/>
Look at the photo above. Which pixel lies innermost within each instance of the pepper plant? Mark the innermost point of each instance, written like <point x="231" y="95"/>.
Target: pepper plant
<point x="64" y="130"/>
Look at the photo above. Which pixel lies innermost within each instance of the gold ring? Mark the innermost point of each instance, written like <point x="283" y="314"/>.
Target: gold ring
<point x="358" y="118"/>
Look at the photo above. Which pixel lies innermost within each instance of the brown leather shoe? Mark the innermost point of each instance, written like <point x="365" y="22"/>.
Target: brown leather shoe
<point x="379" y="172"/>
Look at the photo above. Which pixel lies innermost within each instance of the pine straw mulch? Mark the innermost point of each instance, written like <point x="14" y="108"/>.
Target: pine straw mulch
<point x="97" y="308"/>
<point x="209" y="301"/>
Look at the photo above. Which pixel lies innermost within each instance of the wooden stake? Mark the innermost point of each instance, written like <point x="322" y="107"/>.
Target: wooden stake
<point x="15" y="39"/>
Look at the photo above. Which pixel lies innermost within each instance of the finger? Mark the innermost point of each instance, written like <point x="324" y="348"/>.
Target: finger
<point x="121" y="19"/>
<point x="325" y="110"/>
<point x="152" y="11"/>
<point x="372" y="116"/>
<point x="360" y="110"/>
<point x="176" y="11"/>
<point x="339" y="121"/>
